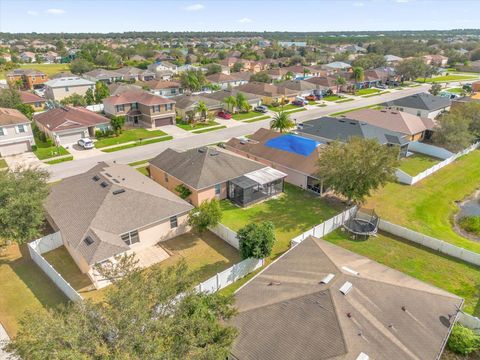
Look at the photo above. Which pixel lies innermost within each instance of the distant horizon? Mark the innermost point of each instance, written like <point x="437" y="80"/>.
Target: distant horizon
<point x="108" y="16"/>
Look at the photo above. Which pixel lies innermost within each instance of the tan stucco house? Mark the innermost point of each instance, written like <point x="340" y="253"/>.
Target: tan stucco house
<point x="111" y="210"/>
<point x="59" y="89"/>
<point x="16" y="134"/>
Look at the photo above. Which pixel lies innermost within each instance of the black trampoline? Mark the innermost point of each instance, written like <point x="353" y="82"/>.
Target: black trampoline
<point x="363" y="224"/>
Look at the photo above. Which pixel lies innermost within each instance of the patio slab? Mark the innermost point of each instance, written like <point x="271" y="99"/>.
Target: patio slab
<point x="150" y="255"/>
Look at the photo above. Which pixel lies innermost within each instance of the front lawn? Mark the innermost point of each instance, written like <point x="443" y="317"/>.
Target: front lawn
<point x="206" y="254"/>
<point x="245" y="116"/>
<point x="137" y="143"/>
<point x="292" y="213"/>
<point x="199" y="125"/>
<point x="422" y="263"/>
<point x="46" y="149"/>
<point x="208" y="129"/>
<point x="127" y="136"/>
<point x="257" y="119"/>
<point x="23" y="286"/>
<point x="283" y="108"/>
<point x="416" y="163"/>
<point x="455" y="90"/>
<point x="332" y="98"/>
<point x="57" y="161"/>
<point x="446" y="78"/>
<point x="367" y="91"/>
<point x="344" y="100"/>
<point x="428" y="206"/>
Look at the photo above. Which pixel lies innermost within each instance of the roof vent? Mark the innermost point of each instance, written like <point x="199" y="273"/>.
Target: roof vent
<point x="214" y="153"/>
<point x="345" y="289"/>
<point x="88" y="240"/>
<point x="109" y="175"/>
<point x="342" y="121"/>
<point x="119" y="191"/>
<point x="202" y="150"/>
<point x="103" y="184"/>
<point x="353" y="123"/>
<point x="384" y="111"/>
<point x="327" y="279"/>
<point x="116" y="181"/>
<point x="96" y="178"/>
<point x="362" y="356"/>
<point x="351" y="271"/>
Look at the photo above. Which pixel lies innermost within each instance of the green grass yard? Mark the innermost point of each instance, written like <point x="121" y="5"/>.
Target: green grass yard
<point x="48" y="69"/>
<point x="208" y="129"/>
<point x="283" y="108"/>
<point x="138" y="143"/>
<point x="416" y="163"/>
<point x="46" y="149"/>
<point x="455" y="90"/>
<point x="127" y="136"/>
<point x="344" y="100"/>
<point x="362" y="107"/>
<point x="292" y="213"/>
<point x="3" y="164"/>
<point x="446" y="78"/>
<point x="245" y="116"/>
<point x="417" y="261"/>
<point x="257" y="119"/>
<point x="296" y="110"/>
<point x="58" y="161"/>
<point x="375" y="94"/>
<point x="199" y="125"/>
<point x="367" y="91"/>
<point x="332" y="98"/>
<point x="429" y="206"/>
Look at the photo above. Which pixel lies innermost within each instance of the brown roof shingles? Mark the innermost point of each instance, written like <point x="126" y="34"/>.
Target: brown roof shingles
<point x="134" y="96"/>
<point x="68" y="117"/>
<point x="12" y="117"/>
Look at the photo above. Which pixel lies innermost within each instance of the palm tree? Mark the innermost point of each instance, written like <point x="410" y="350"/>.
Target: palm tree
<point x="201" y="109"/>
<point x="231" y="102"/>
<point x="358" y="75"/>
<point x="282" y="122"/>
<point x="340" y="81"/>
<point x="241" y="102"/>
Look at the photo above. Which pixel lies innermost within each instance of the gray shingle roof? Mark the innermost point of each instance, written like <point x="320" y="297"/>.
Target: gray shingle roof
<point x="204" y="167"/>
<point x="81" y="207"/>
<point x="422" y="101"/>
<point x="286" y="313"/>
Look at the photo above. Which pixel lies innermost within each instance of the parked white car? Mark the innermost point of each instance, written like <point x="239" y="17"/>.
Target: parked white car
<point x="86" y="143"/>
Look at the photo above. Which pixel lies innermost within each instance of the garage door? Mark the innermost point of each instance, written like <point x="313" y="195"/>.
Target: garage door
<point x="13" y="149"/>
<point x="163" y="121"/>
<point x="71" y="138"/>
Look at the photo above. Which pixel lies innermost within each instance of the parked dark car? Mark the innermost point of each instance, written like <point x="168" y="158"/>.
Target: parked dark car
<point x="261" y="108"/>
<point x="298" y="103"/>
<point x="224" y="115"/>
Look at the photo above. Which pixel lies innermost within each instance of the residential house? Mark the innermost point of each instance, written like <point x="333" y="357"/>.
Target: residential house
<point x="327" y="129"/>
<point x="337" y="66"/>
<point x="6" y="57"/>
<point x="16" y="134"/>
<point x="163" y="88"/>
<point x="436" y="60"/>
<point x="225" y="81"/>
<point x="119" y="88"/>
<point x="300" y="87"/>
<point x="138" y="58"/>
<point x="106" y="76"/>
<point x="269" y="93"/>
<point x="113" y="210"/>
<point x="28" y="79"/>
<point x="59" y="89"/>
<point x="212" y="173"/>
<point x="415" y="128"/>
<point x="27" y="57"/>
<point x="422" y="104"/>
<point x="328" y="83"/>
<point x="141" y="108"/>
<point x="133" y="74"/>
<point x="354" y="49"/>
<point x="321" y="301"/>
<point x="186" y="105"/>
<point x="291" y="154"/>
<point x="66" y="125"/>
<point x="162" y="66"/>
<point x="392" y="59"/>
<point x="288" y="44"/>
<point x="51" y="57"/>
<point x="35" y="101"/>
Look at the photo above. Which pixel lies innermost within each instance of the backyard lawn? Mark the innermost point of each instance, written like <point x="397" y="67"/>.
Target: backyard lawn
<point x="23" y="286"/>
<point x="424" y="264"/>
<point x="199" y="125"/>
<point x="429" y="205"/>
<point x="416" y="163"/>
<point x="367" y="91"/>
<point x="127" y="136"/>
<point x="292" y="213"/>
<point x="247" y="115"/>
<point x="48" y="69"/>
<point x="446" y="78"/>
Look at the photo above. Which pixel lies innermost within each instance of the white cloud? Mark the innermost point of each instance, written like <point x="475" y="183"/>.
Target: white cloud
<point x="55" y="11"/>
<point x="358" y="4"/>
<point x="32" y="12"/>
<point x="245" y="20"/>
<point x="195" y="7"/>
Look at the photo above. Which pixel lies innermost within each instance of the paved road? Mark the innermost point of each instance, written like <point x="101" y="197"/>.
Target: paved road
<point x="75" y="167"/>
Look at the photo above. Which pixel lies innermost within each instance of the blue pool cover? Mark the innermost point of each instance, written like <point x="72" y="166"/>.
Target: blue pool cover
<point x="294" y="144"/>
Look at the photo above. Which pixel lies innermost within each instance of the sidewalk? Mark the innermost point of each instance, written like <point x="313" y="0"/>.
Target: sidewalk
<point x="4" y="340"/>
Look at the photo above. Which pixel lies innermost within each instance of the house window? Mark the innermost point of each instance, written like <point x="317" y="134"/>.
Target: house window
<point x="120" y="108"/>
<point x="131" y="237"/>
<point x="166" y="177"/>
<point x="66" y="88"/>
<point x="20" y="129"/>
<point x="173" y="91"/>
<point x="38" y="104"/>
<point x="156" y="108"/>
<point x="173" y="222"/>
<point x="218" y="189"/>
<point x="134" y="106"/>
<point x="419" y="113"/>
<point x="2" y="132"/>
<point x="33" y="78"/>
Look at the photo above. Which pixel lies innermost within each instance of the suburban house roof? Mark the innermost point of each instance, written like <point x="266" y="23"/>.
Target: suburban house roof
<point x="69" y="81"/>
<point x="338" y="65"/>
<point x="30" y="98"/>
<point x="103" y="74"/>
<point x="221" y="78"/>
<point x="393" y="120"/>
<point x="204" y="167"/>
<point x="320" y="301"/>
<point x="264" y="89"/>
<point x="161" y="84"/>
<point x="342" y="129"/>
<point x="137" y="96"/>
<point x="185" y="102"/>
<point x="119" y="88"/>
<point x="69" y="117"/>
<point x="133" y="71"/>
<point x="297" y="85"/>
<point x="257" y="148"/>
<point x="12" y="117"/>
<point x="93" y="205"/>
<point x="392" y="58"/>
<point x="25" y="72"/>
<point x="222" y="94"/>
<point x="324" y="81"/>
<point x="422" y="101"/>
<point x="242" y="75"/>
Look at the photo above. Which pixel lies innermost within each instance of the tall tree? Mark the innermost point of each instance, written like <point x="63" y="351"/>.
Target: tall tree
<point x="10" y="98"/>
<point x="74" y="100"/>
<point x="230" y="102"/>
<point x="340" y="81"/>
<point x="193" y="80"/>
<point x="411" y="69"/>
<point x="80" y="66"/>
<point x="355" y="168"/>
<point x="202" y="109"/>
<point x="89" y="97"/>
<point x="117" y="122"/>
<point x="154" y="314"/>
<point x="22" y="192"/>
<point x="453" y="131"/>
<point x="435" y="89"/>
<point x="241" y="102"/>
<point x="281" y="121"/>
<point x="256" y="240"/>
<point x="101" y="91"/>
<point x="208" y="213"/>
<point x="261" y="76"/>
<point x="214" y="69"/>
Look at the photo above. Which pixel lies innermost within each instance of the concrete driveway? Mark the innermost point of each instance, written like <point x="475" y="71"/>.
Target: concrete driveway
<point x="175" y="131"/>
<point x="24" y="160"/>
<point x="80" y="153"/>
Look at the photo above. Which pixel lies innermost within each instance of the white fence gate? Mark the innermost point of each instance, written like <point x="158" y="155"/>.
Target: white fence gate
<point x="37" y="248"/>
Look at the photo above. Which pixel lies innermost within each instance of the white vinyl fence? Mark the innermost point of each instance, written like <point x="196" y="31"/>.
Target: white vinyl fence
<point x="430" y="150"/>
<point x="230" y="275"/>
<point x="404" y="178"/>
<point x="37" y="248"/>
<point x="226" y="234"/>
<point x="326" y="227"/>
<point x="469" y="321"/>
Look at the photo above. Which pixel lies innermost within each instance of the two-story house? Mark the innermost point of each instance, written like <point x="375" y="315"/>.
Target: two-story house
<point x="163" y="88"/>
<point x="141" y="109"/>
<point x="16" y="134"/>
<point x="59" y="89"/>
<point x="107" y="76"/>
<point x="28" y="79"/>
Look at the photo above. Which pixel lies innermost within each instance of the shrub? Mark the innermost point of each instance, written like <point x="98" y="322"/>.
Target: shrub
<point x="463" y="340"/>
<point x="470" y="224"/>
<point x="209" y="213"/>
<point x="256" y="240"/>
<point x="183" y="191"/>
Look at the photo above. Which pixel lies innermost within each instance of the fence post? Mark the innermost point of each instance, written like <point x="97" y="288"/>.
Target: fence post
<point x="218" y="283"/>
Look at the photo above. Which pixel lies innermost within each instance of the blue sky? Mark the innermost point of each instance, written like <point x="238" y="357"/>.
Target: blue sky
<point x="246" y="15"/>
